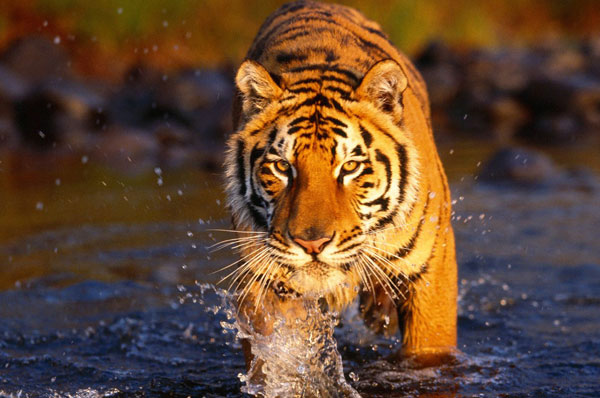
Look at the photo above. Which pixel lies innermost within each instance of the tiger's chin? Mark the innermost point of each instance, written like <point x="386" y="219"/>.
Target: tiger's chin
<point x="317" y="280"/>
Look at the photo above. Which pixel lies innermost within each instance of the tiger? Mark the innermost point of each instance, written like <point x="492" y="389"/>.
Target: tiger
<point x="334" y="182"/>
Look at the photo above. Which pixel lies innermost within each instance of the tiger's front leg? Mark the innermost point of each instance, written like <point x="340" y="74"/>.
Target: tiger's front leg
<point x="426" y="316"/>
<point x="259" y="313"/>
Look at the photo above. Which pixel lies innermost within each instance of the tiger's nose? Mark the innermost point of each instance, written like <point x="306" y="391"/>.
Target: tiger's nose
<point x="312" y="246"/>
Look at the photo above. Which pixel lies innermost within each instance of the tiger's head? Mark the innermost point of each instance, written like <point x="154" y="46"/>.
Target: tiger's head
<point x="320" y="164"/>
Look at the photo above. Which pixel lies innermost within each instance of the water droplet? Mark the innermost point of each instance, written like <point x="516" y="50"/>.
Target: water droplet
<point x="431" y="195"/>
<point x="57" y="40"/>
<point x="84" y="159"/>
<point x="57" y="182"/>
<point x="190" y="233"/>
<point x="39" y="206"/>
<point x="120" y="10"/>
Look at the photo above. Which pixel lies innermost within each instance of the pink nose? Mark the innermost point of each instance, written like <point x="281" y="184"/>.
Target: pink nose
<point x="312" y="246"/>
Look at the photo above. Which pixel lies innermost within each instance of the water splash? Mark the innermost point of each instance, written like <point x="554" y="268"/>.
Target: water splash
<point x="299" y="359"/>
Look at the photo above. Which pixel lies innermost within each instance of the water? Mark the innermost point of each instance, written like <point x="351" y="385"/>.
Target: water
<point x="102" y="294"/>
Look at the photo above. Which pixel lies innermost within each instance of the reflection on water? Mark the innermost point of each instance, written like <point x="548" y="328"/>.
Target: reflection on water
<point x="102" y="273"/>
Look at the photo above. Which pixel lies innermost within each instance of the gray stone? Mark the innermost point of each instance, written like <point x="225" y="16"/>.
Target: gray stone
<point x="520" y="166"/>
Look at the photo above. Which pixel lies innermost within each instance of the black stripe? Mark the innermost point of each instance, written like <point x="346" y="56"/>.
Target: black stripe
<point x="376" y="32"/>
<point x="301" y="90"/>
<point x="272" y="136"/>
<point x="380" y="157"/>
<point x="366" y="135"/>
<point x="339" y="132"/>
<point x="299" y="120"/>
<point x="403" y="159"/>
<point x="336" y="79"/>
<point x="294" y="129"/>
<point x="306" y="81"/>
<point x="257" y="217"/>
<point x="335" y="121"/>
<point x="357" y="151"/>
<point x="345" y="94"/>
<point x="337" y="106"/>
<point x="285" y="57"/>
<point x="318" y="99"/>
<point x="367" y="171"/>
<point x="326" y="68"/>
<point x="254" y="155"/>
<point x="384" y="203"/>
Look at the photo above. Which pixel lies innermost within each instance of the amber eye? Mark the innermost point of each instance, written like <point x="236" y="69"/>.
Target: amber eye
<point x="350" y="166"/>
<point x="282" y="166"/>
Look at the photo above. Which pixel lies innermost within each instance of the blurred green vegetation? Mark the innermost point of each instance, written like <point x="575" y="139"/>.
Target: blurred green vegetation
<point x="106" y="35"/>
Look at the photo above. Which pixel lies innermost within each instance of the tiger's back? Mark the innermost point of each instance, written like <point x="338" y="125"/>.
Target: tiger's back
<point x="328" y="84"/>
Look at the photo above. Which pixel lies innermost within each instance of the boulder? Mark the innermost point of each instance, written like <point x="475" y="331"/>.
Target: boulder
<point x="519" y="166"/>
<point x="57" y="108"/>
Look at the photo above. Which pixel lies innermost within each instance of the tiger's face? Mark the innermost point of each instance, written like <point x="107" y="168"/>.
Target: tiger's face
<point x="322" y="170"/>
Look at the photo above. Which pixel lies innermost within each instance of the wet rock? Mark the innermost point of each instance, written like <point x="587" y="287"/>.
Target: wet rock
<point x="203" y="98"/>
<point x="553" y="129"/>
<point x="35" y="116"/>
<point x="443" y="83"/>
<point x="58" y="110"/>
<point x="519" y="166"/>
<point x="578" y="94"/>
<point x="436" y="53"/>
<point x="37" y="59"/>
<point x="12" y="86"/>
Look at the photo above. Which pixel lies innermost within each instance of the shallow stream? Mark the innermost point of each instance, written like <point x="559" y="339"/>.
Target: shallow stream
<point x="103" y="289"/>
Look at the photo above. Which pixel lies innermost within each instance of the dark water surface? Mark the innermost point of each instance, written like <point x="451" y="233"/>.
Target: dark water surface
<point x="101" y="274"/>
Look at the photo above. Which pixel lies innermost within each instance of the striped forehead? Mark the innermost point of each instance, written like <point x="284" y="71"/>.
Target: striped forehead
<point x="318" y="131"/>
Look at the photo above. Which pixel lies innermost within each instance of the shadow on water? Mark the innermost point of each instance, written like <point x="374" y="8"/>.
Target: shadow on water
<point x="102" y="292"/>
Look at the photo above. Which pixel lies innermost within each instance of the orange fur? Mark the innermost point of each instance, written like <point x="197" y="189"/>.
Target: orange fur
<point x="333" y="143"/>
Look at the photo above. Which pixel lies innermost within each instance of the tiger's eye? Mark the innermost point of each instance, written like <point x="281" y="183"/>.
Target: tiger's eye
<point x="350" y="166"/>
<point x="282" y="166"/>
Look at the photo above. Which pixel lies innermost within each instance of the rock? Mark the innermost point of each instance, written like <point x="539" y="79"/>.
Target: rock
<point x="37" y="59"/>
<point x="520" y="166"/>
<point x="553" y="129"/>
<point x="564" y="109"/>
<point x="35" y="116"/>
<point x="204" y="99"/>
<point x="579" y="94"/>
<point x="12" y="86"/>
<point x="443" y="84"/>
<point x="57" y="108"/>
<point x="507" y="116"/>
<point x="436" y="53"/>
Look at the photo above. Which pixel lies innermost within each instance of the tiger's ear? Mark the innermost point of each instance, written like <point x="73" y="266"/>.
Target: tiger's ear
<point x="383" y="85"/>
<point x="256" y="86"/>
